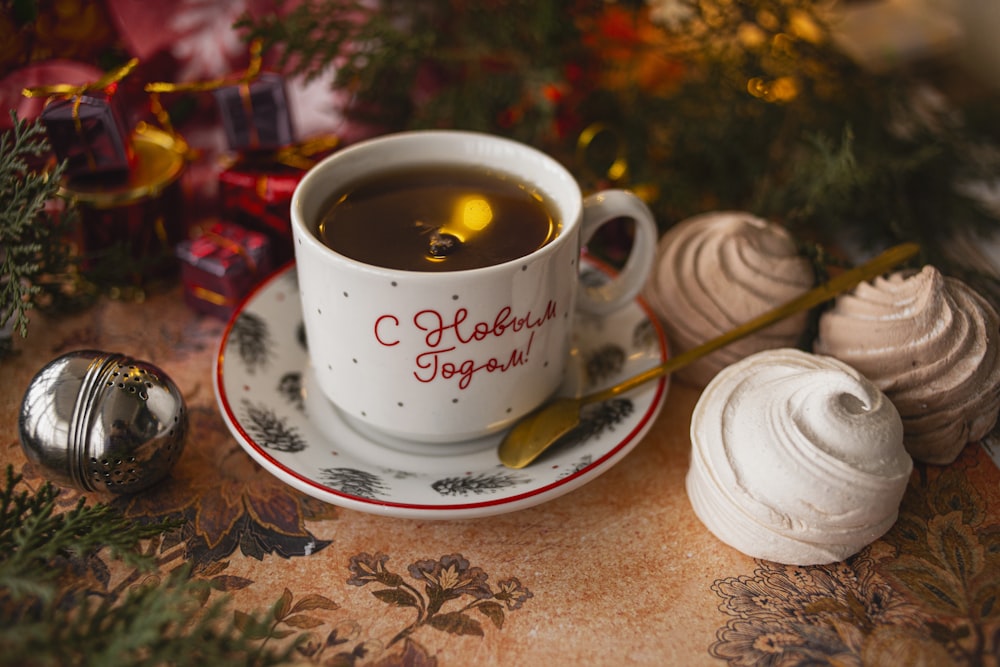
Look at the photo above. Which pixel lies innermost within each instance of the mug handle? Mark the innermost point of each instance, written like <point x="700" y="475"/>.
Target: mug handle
<point x="599" y="209"/>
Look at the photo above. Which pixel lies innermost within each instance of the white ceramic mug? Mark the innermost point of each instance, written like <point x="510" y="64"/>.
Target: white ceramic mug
<point x="446" y="357"/>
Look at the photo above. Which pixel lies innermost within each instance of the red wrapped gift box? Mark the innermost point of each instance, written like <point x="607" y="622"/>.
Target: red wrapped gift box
<point x="258" y="195"/>
<point x="221" y="266"/>
<point x="256" y="190"/>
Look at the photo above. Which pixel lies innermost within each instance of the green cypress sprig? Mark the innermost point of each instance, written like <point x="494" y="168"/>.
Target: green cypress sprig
<point x="479" y="60"/>
<point x="49" y="615"/>
<point x="32" y="244"/>
<point x="33" y="536"/>
<point x="151" y="625"/>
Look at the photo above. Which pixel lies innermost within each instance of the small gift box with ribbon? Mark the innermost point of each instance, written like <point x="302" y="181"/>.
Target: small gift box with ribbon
<point x="89" y="133"/>
<point x="266" y="164"/>
<point x="221" y="266"/>
<point x="86" y="127"/>
<point x="255" y="113"/>
<point x="258" y="197"/>
<point x="125" y="182"/>
<point x="256" y="191"/>
<point x="253" y="106"/>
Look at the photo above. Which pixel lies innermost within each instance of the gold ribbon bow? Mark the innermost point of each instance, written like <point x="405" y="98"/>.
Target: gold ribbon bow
<point x="68" y="90"/>
<point x="303" y="154"/>
<point x="252" y="72"/>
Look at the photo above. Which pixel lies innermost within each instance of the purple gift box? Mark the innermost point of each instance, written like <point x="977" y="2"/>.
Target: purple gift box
<point x="88" y="132"/>
<point x="221" y="266"/>
<point x="255" y="115"/>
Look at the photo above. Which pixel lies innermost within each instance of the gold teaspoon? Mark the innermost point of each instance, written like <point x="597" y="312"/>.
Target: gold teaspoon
<point x="539" y="430"/>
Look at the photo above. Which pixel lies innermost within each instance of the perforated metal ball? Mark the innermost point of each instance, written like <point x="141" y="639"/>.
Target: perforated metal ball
<point x="102" y="421"/>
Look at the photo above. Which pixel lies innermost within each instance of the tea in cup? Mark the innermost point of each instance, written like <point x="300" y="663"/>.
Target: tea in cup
<point x="438" y="274"/>
<point x="444" y="219"/>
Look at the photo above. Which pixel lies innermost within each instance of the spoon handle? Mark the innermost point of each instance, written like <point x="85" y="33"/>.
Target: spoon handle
<point x="817" y="295"/>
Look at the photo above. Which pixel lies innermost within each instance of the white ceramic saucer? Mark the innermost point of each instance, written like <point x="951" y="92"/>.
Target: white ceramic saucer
<point x="267" y="399"/>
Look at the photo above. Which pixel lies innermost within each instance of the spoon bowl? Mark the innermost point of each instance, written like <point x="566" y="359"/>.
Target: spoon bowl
<point x="535" y="433"/>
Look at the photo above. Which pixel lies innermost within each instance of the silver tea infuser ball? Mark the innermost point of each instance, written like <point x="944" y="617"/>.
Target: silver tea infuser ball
<point x="102" y="421"/>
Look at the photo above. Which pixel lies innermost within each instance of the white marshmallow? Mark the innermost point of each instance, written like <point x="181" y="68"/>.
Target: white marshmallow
<point x="796" y="458"/>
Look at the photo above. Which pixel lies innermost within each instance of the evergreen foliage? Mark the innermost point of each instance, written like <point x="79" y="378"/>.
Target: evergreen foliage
<point x="713" y="105"/>
<point x="705" y="104"/>
<point x="56" y="608"/>
<point x="33" y="244"/>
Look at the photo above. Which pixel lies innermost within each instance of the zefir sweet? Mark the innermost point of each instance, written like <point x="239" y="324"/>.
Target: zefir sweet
<point x="796" y="458"/>
<point x="932" y="344"/>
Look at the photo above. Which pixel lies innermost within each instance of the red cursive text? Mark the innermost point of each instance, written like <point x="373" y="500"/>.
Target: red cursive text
<point x="465" y="332"/>
<point x="431" y="365"/>
<point x="445" y="336"/>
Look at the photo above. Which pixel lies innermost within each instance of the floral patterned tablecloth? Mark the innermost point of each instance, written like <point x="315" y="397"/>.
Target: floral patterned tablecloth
<point x="619" y="571"/>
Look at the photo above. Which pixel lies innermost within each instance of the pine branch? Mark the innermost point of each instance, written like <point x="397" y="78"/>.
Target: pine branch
<point x="31" y="239"/>
<point x="47" y="617"/>
<point x="153" y="625"/>
<point x="371" y="48"/>
<point x="417" y="65"/>
<point x="33" y="536"/>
